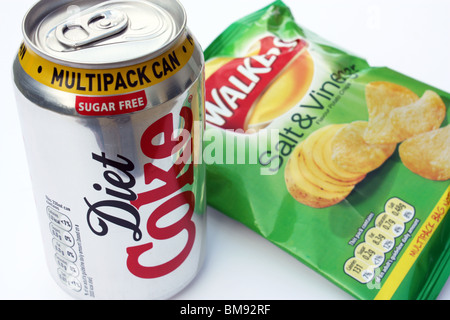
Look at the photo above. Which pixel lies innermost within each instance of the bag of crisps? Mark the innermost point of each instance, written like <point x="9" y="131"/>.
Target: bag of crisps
<point x="343" y="165"/>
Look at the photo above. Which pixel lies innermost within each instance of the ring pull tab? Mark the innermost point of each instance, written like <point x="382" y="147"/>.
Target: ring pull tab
<point x="90" y="28"/>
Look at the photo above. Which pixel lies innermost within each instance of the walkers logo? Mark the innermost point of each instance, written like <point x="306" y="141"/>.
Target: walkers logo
<point x="250" y="92"/>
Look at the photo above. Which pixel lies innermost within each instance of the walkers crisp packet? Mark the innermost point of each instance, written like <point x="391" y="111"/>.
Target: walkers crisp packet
<point x="343" y="165"/>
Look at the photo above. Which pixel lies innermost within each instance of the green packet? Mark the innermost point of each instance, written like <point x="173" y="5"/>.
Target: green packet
<point x="342" y="165"/>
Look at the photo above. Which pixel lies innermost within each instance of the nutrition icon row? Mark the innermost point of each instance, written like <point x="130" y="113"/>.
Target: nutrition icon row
<point x="379" y="240"/>
<point x="63" y="242"/>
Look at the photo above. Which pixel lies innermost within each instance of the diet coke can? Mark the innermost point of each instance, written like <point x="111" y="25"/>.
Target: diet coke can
<point x="110" y="98"/>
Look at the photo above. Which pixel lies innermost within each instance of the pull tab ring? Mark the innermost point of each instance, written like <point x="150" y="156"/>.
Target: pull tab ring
<point x="90" y="28"/>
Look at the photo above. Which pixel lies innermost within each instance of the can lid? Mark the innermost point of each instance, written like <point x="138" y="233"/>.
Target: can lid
<point x="103" y="33"/>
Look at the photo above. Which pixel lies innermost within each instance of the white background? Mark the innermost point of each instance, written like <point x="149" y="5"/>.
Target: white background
<point x="410" y="36"/>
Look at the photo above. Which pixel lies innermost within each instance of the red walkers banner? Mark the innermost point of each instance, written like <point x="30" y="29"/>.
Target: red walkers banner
<point x="233" y="89"/>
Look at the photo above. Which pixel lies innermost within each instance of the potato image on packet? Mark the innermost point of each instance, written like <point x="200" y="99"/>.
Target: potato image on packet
<point x="396" y="113"/>
<point x="428" y="154"/>
<point x="353" y="153"/>
<point x="324" y="169"/>
<point x="353" y="150"/>
<point x="309" y="181"/>
<point x="318" y="155"/>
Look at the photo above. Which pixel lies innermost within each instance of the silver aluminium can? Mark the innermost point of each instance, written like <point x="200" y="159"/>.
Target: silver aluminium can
<point x="110" y="98"/>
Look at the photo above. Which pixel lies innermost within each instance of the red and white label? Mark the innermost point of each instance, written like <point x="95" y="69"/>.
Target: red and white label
<point x="233" y="89"/>
<point x="174" y="180"/>
<point x="111" y="105"/>
<point x="125" y="208"/>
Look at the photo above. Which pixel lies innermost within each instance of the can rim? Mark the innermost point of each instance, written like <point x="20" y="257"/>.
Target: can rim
<point x="43" y="8"/>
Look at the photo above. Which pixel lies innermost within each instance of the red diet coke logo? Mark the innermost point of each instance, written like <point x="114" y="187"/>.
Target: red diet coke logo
<point x="125" y="208"/>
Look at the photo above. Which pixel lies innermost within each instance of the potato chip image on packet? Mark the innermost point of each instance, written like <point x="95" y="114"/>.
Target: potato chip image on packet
<point x="382" y="98"/>
<point x="428" y="154"/>
<point x="352" y="152"/>
<point x="341" y="158"/>
<point x="355" y="183"/>
<point x="396" y="113"/>
<point x="305" y="183"/>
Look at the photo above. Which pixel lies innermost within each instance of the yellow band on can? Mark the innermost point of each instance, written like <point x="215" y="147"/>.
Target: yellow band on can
<point x="97" y="82"/>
